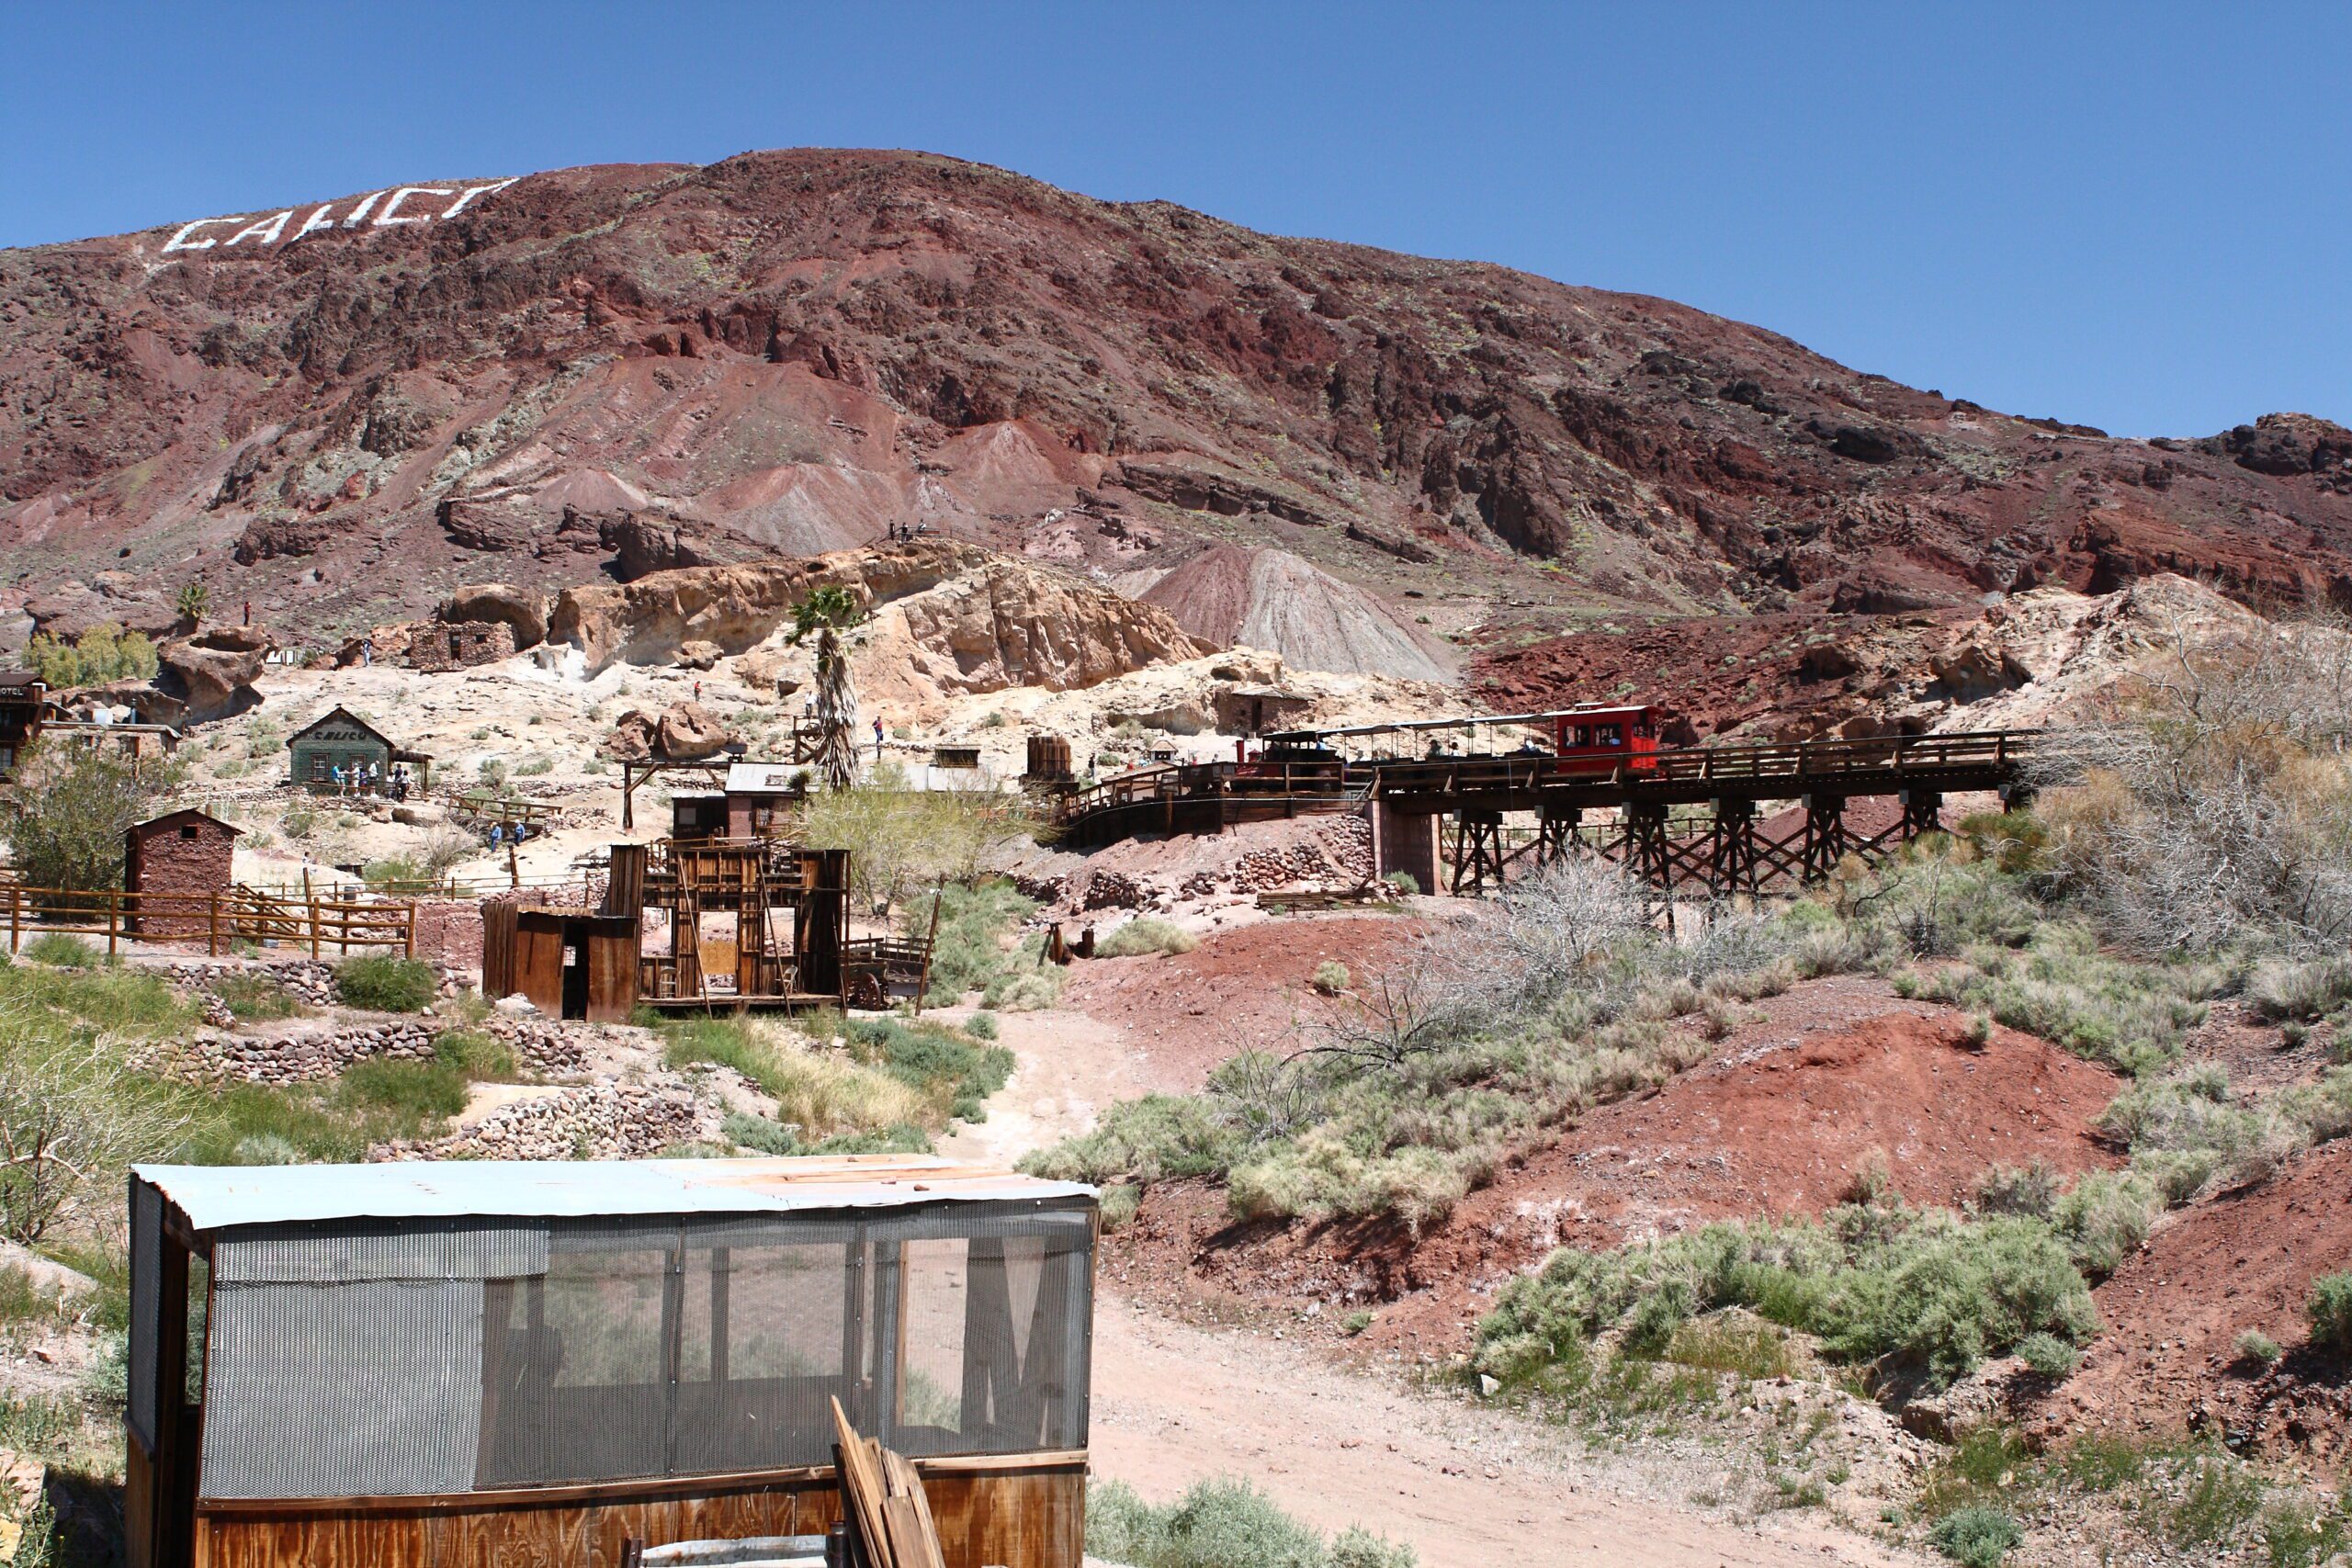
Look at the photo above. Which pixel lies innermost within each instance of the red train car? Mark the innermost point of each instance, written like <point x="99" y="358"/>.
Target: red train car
<point x="1599" y="738"/>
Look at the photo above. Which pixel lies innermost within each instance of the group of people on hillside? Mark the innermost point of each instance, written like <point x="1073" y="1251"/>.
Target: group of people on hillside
<point x="369" y="778"/>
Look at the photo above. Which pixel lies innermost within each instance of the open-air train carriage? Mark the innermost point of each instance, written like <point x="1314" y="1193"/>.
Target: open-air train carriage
<point x="424" y="1365"/>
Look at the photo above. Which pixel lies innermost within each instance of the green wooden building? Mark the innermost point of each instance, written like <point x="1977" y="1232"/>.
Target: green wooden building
<point x="341" y="738"/>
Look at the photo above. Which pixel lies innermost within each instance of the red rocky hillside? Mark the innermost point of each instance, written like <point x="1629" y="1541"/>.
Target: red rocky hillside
<point x="344" y="407"/>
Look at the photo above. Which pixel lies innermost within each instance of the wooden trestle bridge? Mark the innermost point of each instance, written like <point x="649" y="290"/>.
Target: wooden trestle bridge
<point x="1693" y="820"/>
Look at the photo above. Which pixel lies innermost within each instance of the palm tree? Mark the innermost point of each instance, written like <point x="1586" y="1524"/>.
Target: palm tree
<point x="827" y="612"/>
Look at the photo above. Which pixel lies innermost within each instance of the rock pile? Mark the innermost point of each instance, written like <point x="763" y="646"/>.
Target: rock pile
<point x="295" y="1057"/>
<point x="594" y="1121"/>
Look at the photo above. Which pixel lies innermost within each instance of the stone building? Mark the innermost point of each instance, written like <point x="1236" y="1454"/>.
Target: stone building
<point x="460" y="645"/>
<point x="178" y="852"/>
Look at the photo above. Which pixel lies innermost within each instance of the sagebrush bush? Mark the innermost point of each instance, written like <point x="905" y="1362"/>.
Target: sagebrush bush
<point x="2329" y="1307"/>
<point x="1221" y="1523"/>
<point x="1140" y="937"/>
<point x="1976" y="1536"/>
<point x="380" y="982"/>
<point x="2279" y="989"/>
<point x="1330" y="977"/>
<point x="1933" y="1291"/>
<point x="2253" y="1345"/>
<point x="824" y="1092"/>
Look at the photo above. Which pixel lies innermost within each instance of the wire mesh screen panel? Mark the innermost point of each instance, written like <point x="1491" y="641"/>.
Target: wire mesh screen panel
<point x="578" y="1364"/>
<point x="991" y="1348"/>
<point x="777" y="1322"/>
<point x="435" y="1360"/>
<point x="146" y="1296"/>
<point x="326" y="1391"/>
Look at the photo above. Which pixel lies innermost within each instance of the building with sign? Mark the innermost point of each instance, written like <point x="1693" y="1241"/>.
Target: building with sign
<point x="341" y="738"/>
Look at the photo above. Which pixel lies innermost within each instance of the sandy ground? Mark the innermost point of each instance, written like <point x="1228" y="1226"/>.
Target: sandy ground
<point x="1175" y="1402"/>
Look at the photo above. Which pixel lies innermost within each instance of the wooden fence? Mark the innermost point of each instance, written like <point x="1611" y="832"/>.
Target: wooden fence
<point x="218" y="920"/>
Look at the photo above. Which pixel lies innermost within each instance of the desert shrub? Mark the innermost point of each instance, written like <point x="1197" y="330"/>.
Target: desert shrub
<point x="2253" y="1345"/>
<point x="2282" y="989"/>
<point x="1118" y="1204"/>
<point x="1330" y="977"/>
<point x="250" y="996"/>
<point x="2213" y="811"/>
<point x="417" y="1093"/>
<point x="61" y="950"/>
<point x="1404" y="882"/>
<point x="1139" y="937"/>
<point x="475" y="1056"/>
<point x="2105" y="1216"/>
<point x="1221" y="1523"/>
<point x="825" y="1093"/>
<point x="968" y="952"/>
<point x="981" y="1026"/>
<point x="1975" y="1537"/>
<point x="760" y="1133"/>
<point x="69" y="812"/>
<point x="1031" y="987"/>
<point x="1160" y="1137"/>
<point x="2032" y="1188"/>
<point x="936" y="1061"/>
<point x="71" y="1118"/>
<point x="2329" y="1307"/>
<point x="2048" y="1355"/>
<point x="1931" y="1290"/>
<point x="905" y="842"/>
<point x="380" y="982"/>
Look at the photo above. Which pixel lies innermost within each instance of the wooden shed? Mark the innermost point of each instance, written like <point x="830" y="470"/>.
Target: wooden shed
<point x="570" y="962"/>
<point x="341" y="738"/>
<point x="185" y="852"/>
<point x="422" y="1364"/>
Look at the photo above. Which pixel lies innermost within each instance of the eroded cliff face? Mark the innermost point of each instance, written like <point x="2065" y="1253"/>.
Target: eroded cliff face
<point x="953" y="619"/>
<point x="796" y="351"/>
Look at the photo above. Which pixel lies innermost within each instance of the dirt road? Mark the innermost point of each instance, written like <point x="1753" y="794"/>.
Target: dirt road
<point x="1175" y="1403"/>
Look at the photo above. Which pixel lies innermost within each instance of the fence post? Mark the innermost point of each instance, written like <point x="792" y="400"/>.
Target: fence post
<point x="407" y="942"/>
<point x="314" y="924"/>
<point x="212" y="935"/>
<point x="16" y="913"/>
<point x="114" y="919"/>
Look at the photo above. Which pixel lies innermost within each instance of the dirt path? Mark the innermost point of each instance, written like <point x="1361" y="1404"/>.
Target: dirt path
<point x="1175" y="1403"/>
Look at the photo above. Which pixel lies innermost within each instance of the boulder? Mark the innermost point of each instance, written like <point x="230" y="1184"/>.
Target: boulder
<point x="697" y="655"/>
<point x="74" y="608"/>
<point x="522" y="609"/>
<point x="419" y="814"/>
<point x="631" y="740"/>
<point x="213" y="682"/>
<point x="689" y="732"/>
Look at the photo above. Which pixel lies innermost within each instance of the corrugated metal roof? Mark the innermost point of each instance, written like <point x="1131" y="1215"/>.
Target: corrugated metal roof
<point x="762" y="778"/>
<point x="218" y="1197"/>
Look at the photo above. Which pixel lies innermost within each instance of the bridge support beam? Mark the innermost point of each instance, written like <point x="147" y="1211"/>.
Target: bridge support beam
<point x="1923" y="813"/>
<point x="1731" y="857"/>
<point x="1649" y="853"/>
<point x="1477" y="849"/>
<point x="1555" y="833"/>
<point x="1826" y="839"/>
<point x="1406" y="842"/>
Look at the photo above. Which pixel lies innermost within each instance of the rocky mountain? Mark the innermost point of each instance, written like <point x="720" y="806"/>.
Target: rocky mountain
<point x="344" y="409"/>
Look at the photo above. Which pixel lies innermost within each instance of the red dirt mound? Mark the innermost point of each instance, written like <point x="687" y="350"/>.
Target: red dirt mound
<point x="2168" y="1359"/>
<point x="1777" y="1123"/>
<point x="1241" y="989"/>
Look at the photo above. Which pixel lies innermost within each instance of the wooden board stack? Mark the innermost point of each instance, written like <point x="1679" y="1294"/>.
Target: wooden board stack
<point x="883" y="1499"/>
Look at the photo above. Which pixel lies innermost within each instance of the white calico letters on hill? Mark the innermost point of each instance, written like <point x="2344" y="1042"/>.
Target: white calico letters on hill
<point x="383" y="209"/>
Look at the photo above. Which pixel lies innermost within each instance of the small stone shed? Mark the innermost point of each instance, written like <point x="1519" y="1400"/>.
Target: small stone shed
<point x="179" y="853"/>
<point x="341" y="738"/>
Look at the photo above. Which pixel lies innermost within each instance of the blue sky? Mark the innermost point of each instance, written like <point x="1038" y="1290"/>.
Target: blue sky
<point x="2136" y="216"/>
